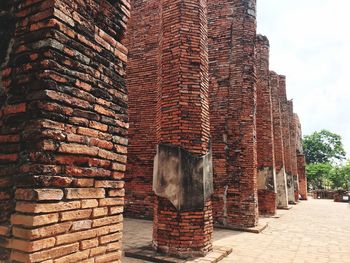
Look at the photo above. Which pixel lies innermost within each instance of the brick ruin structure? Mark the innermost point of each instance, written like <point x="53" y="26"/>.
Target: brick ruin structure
<point x="281" y="179"/>
<point x="143" y="46"/>
<point x="213" y="139"/>
<point x="266" y="176"/>
<point x="293" y="150"/>
<point x="286" y="132"/>
<point x="232" y="36"/>
<point x="64" y="123"/>
<point x="301" y="162"/>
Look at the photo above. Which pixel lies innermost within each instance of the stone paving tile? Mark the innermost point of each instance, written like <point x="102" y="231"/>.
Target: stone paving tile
<point x="314" y="231"/>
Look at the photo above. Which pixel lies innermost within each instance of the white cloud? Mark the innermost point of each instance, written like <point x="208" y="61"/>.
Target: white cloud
<point x="310" y="44"/>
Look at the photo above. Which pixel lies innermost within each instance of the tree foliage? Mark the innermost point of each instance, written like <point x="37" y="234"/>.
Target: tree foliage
<point x="323" y="147"/>
<point x="318" y="174"/>
<point x="324" y="152"/>
<point x="340" y="177"/>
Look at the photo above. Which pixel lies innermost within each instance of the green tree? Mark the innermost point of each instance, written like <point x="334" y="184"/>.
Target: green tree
<point x="340" y="177"/>
<point x="323" y="147"/>
<point x="318" y="175"/>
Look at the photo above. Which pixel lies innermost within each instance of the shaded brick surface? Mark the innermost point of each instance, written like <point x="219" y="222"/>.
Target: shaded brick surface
<point x="183" y="118"/>
<point x="281" y="180"/>
<point x="301" y="162"/>
<point x="302" y="177"/>
<point x="293" y="149"/>
<point x="63" y="131"/>
<point x="232" y="32"/>
<point x="285" y="111"/>
<point x="143" y="46"/>
<point x="266" y="176"/>
<point x="267" y="202"/>
<point x="185" y="234"/>
<point x="64" y="110"/>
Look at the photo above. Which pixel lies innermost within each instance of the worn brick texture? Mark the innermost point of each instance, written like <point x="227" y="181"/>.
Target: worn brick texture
<point x="143" y="45"/>
<point x="266" y="176"/>
<point x="302" y="176"/>
<point x="267" y="202"/>
<point x="185" y="234"/>
<point x="281" y="180"/>
<point x="9" y="144"/>
<point x="285" y="110"/>
<point x="301" y="162"/>
<point x="293" y="149"/>
<point x="232" y="33"/>
<point x="183" y="118"/>
<point x="298" y="134"/>
<point x="63" y="132"/>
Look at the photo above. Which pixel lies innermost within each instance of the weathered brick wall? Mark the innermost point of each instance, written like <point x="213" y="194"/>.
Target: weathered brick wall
<point x="183" y="119"/>
<point x="143" y="46"/>
<point x="293" y="149"/>
<point x="281" y="180"/>
<point x="183" y="234"/>
<point x="267" y="202"/>
<point x="219" y="28"/>
<point x="286" y="138"/>
<point x="9" y="144"/>
<point x="298" y="134"/>
<point x="232" y="32"/>
<point x="264" y="130"/>
<point x="63" y="129"/>
<point x="301" y="162"/>
<point x="302" y="176"/>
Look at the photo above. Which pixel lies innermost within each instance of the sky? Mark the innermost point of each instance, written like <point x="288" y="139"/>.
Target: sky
<point x="310" y="44"/>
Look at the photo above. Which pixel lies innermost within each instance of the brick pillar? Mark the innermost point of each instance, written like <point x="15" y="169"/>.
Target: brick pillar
<point x="281" y="180"/>
<point x="232" y="32"/>
<point x="264" y="131"/>
<point x="301" y="163"/>
<point x="63" y="132"/>
<point x="293" y="149"/>
<point x="182" y="126"/>
<point x="302" y="176"/>
<point x="143" y="46"/>
<point x="286" y="138"/>
<point x="9" y="134"/>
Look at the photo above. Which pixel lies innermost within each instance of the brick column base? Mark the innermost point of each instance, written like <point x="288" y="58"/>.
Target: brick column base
<point x="267" y="202"/>
<point x="182" y="234"/>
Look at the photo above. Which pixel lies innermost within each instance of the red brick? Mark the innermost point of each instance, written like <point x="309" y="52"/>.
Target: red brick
<point x="84" y="193"/>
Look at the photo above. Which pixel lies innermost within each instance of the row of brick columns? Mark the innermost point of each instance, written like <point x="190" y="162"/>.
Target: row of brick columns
<point x="213" y="139"/>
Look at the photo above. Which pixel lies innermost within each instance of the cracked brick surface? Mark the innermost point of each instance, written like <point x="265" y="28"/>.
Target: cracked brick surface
<point x="63" y="132"/>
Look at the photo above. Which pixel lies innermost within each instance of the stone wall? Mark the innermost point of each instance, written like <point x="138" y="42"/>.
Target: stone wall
<point x="63" y="132"/>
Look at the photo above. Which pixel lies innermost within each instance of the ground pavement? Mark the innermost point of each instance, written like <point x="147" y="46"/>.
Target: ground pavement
<point x="315" y="231"/>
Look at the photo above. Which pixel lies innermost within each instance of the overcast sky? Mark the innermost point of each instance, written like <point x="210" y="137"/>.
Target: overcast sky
<point x="310" y="44"/>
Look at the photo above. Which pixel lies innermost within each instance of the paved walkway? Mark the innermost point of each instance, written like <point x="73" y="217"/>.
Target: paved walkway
<point x="316" y="231"/>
